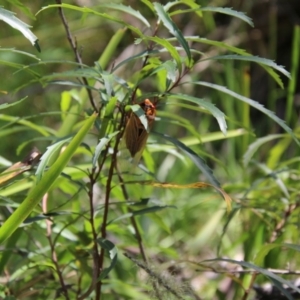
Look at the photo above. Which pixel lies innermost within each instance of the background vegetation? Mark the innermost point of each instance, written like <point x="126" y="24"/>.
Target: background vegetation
<point x="88" y="230"/>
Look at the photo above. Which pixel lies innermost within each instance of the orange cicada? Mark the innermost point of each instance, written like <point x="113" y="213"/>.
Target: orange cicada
<point x="135" y="134"/>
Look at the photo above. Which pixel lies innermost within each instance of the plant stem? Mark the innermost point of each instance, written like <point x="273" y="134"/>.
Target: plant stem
<point x="76" y="52"/>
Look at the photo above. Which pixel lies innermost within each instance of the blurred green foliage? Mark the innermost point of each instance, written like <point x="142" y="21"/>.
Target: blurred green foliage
<point x="179" y="243"/>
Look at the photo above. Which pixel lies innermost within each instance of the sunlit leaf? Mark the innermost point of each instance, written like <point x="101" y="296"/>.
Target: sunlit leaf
<point x="230" y="12"/>
<point x="52" y="152"/>
<point x="172" y="27"/>
<point x="253" y="103"/>
<point x="207" y="105"/>
<point x="102" y="143"/>
<point x="10" y="18"/>
<point x="127" y="9"/>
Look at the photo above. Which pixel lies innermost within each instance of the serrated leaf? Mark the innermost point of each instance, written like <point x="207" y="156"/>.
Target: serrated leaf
<point x="267" y="64"/>
<point x="127" y="9"/>
<point x="172" y="27"/>
<point x="86" y="10"/>
<point x="209" y="106"/>
<point x="10" y="18"/>
<point x="230" y="12"/>
<point x="217" y="44"/>
<point x="254" y="104"/>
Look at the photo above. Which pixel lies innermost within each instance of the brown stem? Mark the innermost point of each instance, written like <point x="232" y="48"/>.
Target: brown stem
<point x="52" y="249"/>
<point x="76" y="52"/>
<point x="280" y="225"/>
<point x="96" y="257"/>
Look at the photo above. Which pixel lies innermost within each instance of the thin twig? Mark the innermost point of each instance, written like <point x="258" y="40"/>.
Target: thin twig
<point x="76" y="52"/>
<point x="280" y="225"/>
<point x="52" y="248"/>
<point x="106" y="207"/>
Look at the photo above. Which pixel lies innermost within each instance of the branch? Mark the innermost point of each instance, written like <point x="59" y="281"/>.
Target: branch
<point x="76" y="52"/>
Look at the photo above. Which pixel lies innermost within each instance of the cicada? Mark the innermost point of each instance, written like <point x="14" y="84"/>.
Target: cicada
<point x="135" y="134"/>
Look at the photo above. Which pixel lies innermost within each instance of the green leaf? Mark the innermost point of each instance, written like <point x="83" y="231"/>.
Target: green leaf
<point x="20" y="52"/>
<point x="198" y="161"/>
<point x="137" y="56"/>
<point x="267" y="64"/>
<point x="45" y="131"/>
<point x="6" y="105"/>
<point x="22" y="7"/>
<point x="102" y="143"/>
<point x="254" y="146"/>
<point x="173" y="29"/>
<point x="194" y="7"/>
<point x="10" y="18"/>
<point x="51" y="153"/>
<point x="128" y="10"/>
<point x="169" y="47"/>
<point x="37" y="192"/>
<point x="253" y="103"/>
<point x="230" y="12"/>
<point x="113" y="255"/>
<point x="86" y="10"/>
<point x="209" y="106"/>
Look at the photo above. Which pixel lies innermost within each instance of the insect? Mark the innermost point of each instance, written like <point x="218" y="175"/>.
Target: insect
<point x="135" y="134"/>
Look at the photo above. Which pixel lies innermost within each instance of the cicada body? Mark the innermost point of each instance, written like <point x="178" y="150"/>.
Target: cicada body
<point x="135" y="134"/>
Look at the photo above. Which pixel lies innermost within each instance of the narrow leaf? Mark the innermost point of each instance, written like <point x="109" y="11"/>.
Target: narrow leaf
<point x="6" y="105"/>
<point x="36" y="193"/>
<point x="113" y="255"/>
<point x="169" y="47"/>
<point x="52" y="152"/>
<point x="209" y="106"/>
<point x="10" y="18"/>
<point x="127" y="9"/>
<point x="102" y="143"/>
<point x="253" y="103"/>
<point x="230" y="12"/>
<point x="86" y="10"/>
<point x="172" y="27"/>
